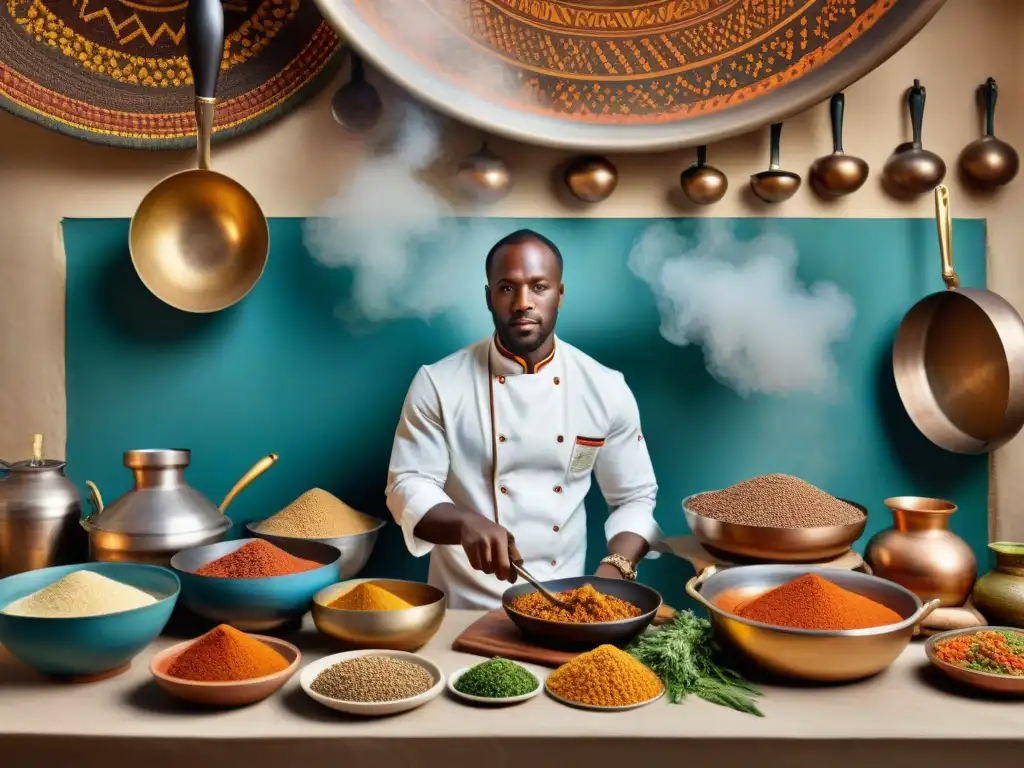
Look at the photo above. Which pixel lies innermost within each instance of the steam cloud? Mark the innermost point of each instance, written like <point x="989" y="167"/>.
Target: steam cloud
<point x="761" y="328"/>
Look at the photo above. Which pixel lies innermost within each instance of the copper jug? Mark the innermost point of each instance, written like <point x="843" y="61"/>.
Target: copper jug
<point x="920" y="552"/>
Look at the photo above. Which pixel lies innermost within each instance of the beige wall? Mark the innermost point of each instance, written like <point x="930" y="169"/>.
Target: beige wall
<point x="295" y="163"/>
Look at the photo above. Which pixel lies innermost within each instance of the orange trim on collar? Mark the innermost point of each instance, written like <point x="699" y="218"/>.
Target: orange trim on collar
<point x="520" y="361"/>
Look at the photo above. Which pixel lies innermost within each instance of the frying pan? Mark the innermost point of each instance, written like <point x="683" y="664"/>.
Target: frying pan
<point x="958" y="359"/>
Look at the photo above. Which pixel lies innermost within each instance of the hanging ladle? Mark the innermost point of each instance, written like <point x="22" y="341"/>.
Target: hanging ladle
<point x="703" y="184"/>
<point x="356" y="106"/>
<point x="988" y="161"/>
<point x="775" y="185"/>
<point x="838" y="174"/>
<point x="199" y="240"/>
<point x="912" y="170"/>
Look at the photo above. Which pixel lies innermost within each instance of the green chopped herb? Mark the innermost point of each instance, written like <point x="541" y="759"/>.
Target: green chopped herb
<point x="682" y="653"/>
<point x="497" y="679"/>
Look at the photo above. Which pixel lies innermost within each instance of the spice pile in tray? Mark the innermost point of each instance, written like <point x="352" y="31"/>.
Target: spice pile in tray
<point x="588" y="606"/>
<point x="317" y="514"/>
<point x="373" y="679"/>
<point x="369" y="597"/>
<point x="813" y="602"/>
<point x="497" y="679"/>
<point x="605" y="677"/>
<point x="258" y="559"/>
<point x="996" y="651"/>
<point x="226" y="655"/>
<point x="80" y="594"/>
<point x="775" y="501"/>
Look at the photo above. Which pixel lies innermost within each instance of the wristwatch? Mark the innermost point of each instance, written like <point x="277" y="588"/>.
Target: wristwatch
<point x="623" y="565"/>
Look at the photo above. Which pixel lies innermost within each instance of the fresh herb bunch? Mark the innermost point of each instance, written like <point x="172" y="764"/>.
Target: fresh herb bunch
<point x="497" y="679"/>
<point x="682" y="653"/>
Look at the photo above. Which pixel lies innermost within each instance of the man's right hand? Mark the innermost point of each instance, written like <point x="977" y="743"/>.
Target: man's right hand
<point x="490" y="548"/>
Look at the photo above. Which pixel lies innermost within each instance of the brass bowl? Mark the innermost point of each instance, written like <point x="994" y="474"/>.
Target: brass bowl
<point x="828" y="656"/>
<point x="983" y="681"/>
<point x="780" y="545"/>
<point x="404" y="630"/>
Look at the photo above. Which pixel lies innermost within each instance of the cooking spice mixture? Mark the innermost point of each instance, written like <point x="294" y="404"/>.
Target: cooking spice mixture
<point x="226" y="655"/>
<point x="373" y="678"/>
<point x="683" y="654"/>
<point x="497" y="679"/>
<point x="605" y="677"/>
<point x="317" y="514"/>
<point x="79" y="594"/>
<point x="588" y="607"/>
<point x="812" y="602"/>
<point x="369" y="597"/>
<point x="258" y="559"/>
<point x="996" y="651"/>
<point x="775" y="501"/>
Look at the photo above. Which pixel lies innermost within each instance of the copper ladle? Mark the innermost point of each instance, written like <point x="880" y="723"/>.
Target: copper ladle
<point x="838" y="174"/>
<point x="356" y="106"/>
<point x="703" y="184"/>
<point x="775" y="185"/>
<point x="912" y="170"/>
<point x="988" y="161"/>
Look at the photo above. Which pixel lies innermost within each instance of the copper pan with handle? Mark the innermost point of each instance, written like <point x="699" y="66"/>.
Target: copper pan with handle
<point x="958" y="359"/>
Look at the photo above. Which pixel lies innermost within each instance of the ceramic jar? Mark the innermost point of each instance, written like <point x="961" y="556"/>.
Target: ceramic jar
<point x="999" y="594"/>
<point x="920" y="552"/>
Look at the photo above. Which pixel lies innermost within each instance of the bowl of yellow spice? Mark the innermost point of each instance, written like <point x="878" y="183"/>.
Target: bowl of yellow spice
<point x="390" y="614"/>
<point x="317" y="515"/>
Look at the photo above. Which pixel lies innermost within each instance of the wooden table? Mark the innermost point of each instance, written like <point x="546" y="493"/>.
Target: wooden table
<point x="905" y="716"/>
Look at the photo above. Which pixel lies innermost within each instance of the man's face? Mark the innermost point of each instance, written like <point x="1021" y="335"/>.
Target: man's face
<point x="524" y="292"/>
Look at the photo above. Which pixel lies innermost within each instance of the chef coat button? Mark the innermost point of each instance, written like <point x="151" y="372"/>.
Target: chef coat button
<point x="501" y="379"/>
<point x="501" y="438"/>
<point x="558" y="489"/>
<point x="553" y="563"/>
<point x="561" y="439"/>
<point x="557" y="381"/>
<point x="504" y="489"/>
<point x="555" y="529"/>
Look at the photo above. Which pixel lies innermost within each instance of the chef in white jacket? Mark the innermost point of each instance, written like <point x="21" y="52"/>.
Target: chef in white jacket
<point x="497" y="444"/>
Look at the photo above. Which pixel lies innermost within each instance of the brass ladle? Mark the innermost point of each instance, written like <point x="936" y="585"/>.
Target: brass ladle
<point x="703" y="184"/>
<point x="547" y="594"/>
<point x="775" y="185"/>
<point x="912" y="170"/>
<point x="838" y="174"/>
<point x="483" y="176"/>
<point x="356" y="106"/>
<point x="199" y="240"/>
<point x="988" y="161"/>
<point x="591" y="178"/>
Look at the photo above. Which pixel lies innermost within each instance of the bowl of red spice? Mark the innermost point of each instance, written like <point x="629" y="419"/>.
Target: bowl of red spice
<point x="254" y="585"/>
<point x="810" y="622"/>
<point x="987" y="658"/>
<point x="225" y="667"/>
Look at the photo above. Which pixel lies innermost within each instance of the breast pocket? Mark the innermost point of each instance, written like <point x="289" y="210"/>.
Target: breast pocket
<point x="584" y="455"/>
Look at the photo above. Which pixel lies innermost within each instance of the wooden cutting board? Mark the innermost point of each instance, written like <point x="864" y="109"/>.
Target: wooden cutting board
<point x="494" y="634"/>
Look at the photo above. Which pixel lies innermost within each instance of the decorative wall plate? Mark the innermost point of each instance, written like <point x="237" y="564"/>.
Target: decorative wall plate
<point x="116" y="71"/>
<point x="626" y="74"/>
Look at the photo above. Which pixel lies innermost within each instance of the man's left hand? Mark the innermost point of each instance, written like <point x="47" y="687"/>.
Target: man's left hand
<point x="608" y="571"/>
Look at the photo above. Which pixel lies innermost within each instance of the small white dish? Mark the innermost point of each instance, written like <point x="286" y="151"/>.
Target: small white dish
<point x="595" y="708"/>
<point x="507" y="700"/>
<point x="371" y="708"/>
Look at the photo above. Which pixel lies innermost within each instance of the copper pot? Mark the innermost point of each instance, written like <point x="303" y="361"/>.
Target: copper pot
<point x="920" y="552"/>
<point x="999" y="594"/>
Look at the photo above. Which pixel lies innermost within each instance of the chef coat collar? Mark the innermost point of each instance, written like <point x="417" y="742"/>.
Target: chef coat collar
<point x="506" y="363"/>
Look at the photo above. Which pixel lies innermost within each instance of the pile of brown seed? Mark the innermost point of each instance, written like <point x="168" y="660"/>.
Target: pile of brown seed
<point x="373" y="679"/>
<point x="775" y="501"/>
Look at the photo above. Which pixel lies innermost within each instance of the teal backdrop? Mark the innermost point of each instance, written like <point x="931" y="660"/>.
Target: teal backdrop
<point x="279" y="373"/>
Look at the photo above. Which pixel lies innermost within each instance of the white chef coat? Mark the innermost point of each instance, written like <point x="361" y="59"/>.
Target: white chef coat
<point x="478" y="431"/>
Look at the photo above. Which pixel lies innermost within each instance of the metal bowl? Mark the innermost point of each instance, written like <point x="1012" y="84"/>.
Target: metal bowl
<point x="355" y="549"/>
<point x="984" y="681"/>
<point x="780" y="545"/>
<point x="807" y="654"/>
<point x="404" y="630"/>
<point x="558" y="634"/>
<point x="254" y="605"/>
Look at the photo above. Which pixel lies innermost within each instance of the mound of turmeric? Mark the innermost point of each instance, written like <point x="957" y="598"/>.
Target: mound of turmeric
<point x="369" y="597"/>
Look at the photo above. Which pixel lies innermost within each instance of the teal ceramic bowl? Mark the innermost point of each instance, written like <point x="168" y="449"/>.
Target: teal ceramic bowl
<point x="92" y="646"/>
<point x="254" y="605"/>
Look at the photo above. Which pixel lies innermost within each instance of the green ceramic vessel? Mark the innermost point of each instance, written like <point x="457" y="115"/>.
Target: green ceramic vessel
<point x="999" y="594"/>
